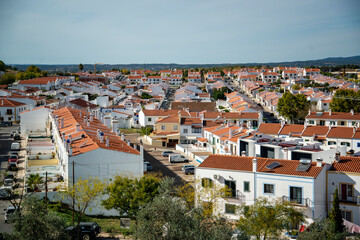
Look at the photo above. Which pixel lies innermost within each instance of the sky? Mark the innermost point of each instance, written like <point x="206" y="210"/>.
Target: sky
<point x="177" y="31"/>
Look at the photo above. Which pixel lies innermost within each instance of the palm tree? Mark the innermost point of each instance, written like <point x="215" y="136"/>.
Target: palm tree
<point x="34" y="180"/>
<point x="81" y="67"/>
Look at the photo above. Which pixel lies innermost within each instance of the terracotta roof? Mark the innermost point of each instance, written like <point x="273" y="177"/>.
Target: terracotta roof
<point x="42" y="80"/>
<point x="90" y="141"/>
<point x="239" y="163"/>
<point x="335" y="115"/>
<point x="170" y="119"/>
<point x="83" y="104"/>
<point x="10" y="103"/>
<point x="347" y="164"/>
<point x="292" y="128"/>
<point x="164" y="112"/>
<point x="315" y="130"/>
<point x="194" y="106"/>
<point x="270" y="128"/>
<point x="190" y="121"/>
<point x="341" y="132"/>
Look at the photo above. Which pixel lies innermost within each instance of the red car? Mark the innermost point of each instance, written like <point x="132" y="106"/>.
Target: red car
<point x="13" y="158"/>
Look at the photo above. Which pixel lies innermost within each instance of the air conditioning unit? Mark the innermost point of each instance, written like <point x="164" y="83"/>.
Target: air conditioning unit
<point x="216" y="176"/>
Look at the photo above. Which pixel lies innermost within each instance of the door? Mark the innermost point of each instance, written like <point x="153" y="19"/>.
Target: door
<point x="232" y="186"/>
<point x="296" y="195"/>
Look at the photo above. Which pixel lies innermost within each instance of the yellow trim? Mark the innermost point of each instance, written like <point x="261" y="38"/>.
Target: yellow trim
<point x="340" y="189"/>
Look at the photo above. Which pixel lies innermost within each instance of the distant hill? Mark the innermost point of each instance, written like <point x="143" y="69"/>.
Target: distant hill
<point x="333" y="61"/>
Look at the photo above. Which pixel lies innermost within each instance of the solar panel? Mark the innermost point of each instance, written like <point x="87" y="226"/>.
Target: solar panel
<point x="273" y="165"/>
<point x="303" y="167"/>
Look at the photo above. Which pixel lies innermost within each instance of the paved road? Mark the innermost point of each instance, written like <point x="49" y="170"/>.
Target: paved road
<point x="5" y="143"/>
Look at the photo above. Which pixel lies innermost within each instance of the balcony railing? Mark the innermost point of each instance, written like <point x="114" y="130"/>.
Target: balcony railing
<point x="347" y="199"/>
<point x="235" y="196"/>
<point x="303" y="202"/>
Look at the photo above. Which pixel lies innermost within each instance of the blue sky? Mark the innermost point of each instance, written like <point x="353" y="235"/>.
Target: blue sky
<point x="178" y="31"/>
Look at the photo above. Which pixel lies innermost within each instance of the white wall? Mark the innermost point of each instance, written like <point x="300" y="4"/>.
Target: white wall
<point x="34" y="120"/>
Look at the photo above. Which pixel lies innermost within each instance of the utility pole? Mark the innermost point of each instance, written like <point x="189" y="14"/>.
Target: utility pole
<point x="46" y="189"/>
<point x="73" y="172"/>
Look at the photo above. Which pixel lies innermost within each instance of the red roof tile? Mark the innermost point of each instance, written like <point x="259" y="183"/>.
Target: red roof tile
<point x="347" y="164"/>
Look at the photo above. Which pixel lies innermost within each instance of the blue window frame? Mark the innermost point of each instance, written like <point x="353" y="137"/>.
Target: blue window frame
<point x="269" y="189"/>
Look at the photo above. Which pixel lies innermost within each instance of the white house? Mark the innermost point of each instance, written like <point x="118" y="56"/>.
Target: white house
<point x="345" y="176"/>
<point x="300" y="183"/>
<point x="344" y="119"/>
<point x="10" y="110"/>
<point x="34" y="121"/>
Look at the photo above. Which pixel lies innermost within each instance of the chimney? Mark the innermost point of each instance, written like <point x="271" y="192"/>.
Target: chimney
<point x="128" y="142"/>
<point x="330" y="112"/>
<point x="135" y="146"/>
<point x="85" y="119"/>
<point x="142" y="150"/>
<point x="122" y="136"/>
<point x="107" y="139"/>
<point x="230" y="133"/>
<point x="337" y="156"/>
<point x="117" y="132"/>
<point x="77" y="128"/>
<point x="254" y="161"/>
<point x="70" y="151"/>
<point x="243" y="153"/>
<point x="350" y="153"/>
<point x="88" y="124"/>
<point x="62" y="122"/>
<point x="228" y="123"/>
<point x="70" y="138"/>
<point x="319" y="162"/>
<point x="286" y="153"/>
<point x="101" y="137"/>
<point x="352" y="111"/>
<point x="91" y="117"/>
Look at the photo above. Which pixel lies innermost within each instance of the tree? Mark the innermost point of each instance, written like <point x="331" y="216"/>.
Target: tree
<point x="267" y="220"/>
<point x="293" y="107"/>
<point x="34" y="180"/>
<point x="81" y="67"/>
<point x="335" y="214"/>
<point x="296" y="87"/>
<point x="324" y="229"/>
<point x="2" y="66"/>
<point x="83" y="193"/>
<point x="168" y="217"/>
<point x="33" y="69"/>
<point x="7" y="79"/>
<point x="127" y="195"/>
<point x="145" y="95"/>
<point x="33" y="222"/>
<point x="345" y="100"/>
<point x="219" y="93"/>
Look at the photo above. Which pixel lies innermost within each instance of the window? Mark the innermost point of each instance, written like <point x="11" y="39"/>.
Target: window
<point x="162" y="127"/>
<point x="9" y="111"/>
<point x="311" y="122"/>
<point x="230" y="208"/>
<point x="332" y="123"/>
<point x="269" y="188"/>
<point x="196" y="130"/>
<point x="346" y="191"/>
<point x="185" y="130"/>
<point x="149" y="119"/>
<point x="353" y="123"/>
<point x="246" y="186"/>
<point x="322" y="123"/>
<point x="296" y="195"/>
<point x="342" y="123"/>
<point x="232" y="187"/>
<point x="175" y="127"/>
<point x="206" y="182"/>
<point x="347" y="215"/>
<point x="358" y="144"/>
<point x="345" y="144"/>
<point x="217" y="140"/>
<point x="331" y="143"/>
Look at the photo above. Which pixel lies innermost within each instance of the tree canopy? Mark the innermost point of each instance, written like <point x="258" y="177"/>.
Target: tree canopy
<point x="293" y="107"/>
<point x="127" y="195"/>
<point x="219" y="93"/>
<point x="345" y="100"/>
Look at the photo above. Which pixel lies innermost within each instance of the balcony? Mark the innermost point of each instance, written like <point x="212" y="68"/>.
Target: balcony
<point x="300" y="202"/>
<point x="235" y="197"/>
<point x="347" y="199"/>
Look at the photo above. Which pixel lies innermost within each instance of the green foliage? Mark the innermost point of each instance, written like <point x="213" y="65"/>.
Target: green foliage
<point x="2" y="66"/>
<point x="296" y="87"/>
<point x="324" y="229"/>
<point x="128" y="195"/>
<point x="145" y="95"/>
<point x="7" y="79"/>
<point x="146" y="131"/>
<point x="168" y="217"/>
<point x="267" y="220"/>
<point x="293" y="107"/>
<point x="219" y="93"/>
<point x="34" y="180"/>
<point x="91" y="96"/>
<point x="335" y="214"/>
<point x="81" y="67"/>
<point x="33" y="69"/>
<point x="33" y="222"/>
<point x="345" y="100"/>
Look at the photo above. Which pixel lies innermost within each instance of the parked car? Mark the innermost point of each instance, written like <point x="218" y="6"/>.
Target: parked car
<point x="8" y="212"/>
<point x="189" y="170"/>
<point x="177" y="158"/>
<point x="12" y="134"/>
<point x="186" y="166"/>
<point x="9" y="182"/>
<point x="5" y="192"/>
<point x="12" y="166"/>
<point x="167" y="153"/>
<point x="17" y="136"/>
<point x="13" y="158"/>
<point x="147" y="167"/>
<point x="88" y="230"/>
<point x="15" y="146"/>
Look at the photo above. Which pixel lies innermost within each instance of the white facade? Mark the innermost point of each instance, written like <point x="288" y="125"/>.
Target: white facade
<point x="34" y="121"/>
